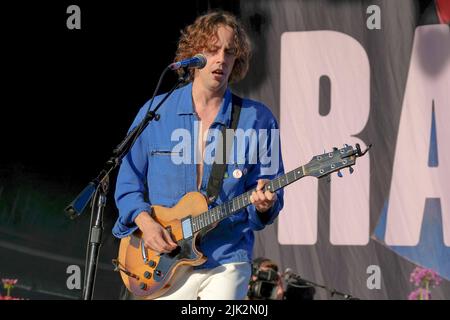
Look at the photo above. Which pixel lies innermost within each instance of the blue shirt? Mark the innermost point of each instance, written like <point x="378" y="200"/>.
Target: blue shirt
<point x="148" y="175"/>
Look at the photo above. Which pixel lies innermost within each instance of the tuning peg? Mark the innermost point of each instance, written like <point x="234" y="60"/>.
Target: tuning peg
<point x="345" y="145"/>
<point x="339" y="173"/>
<point x="351" y="170"/>
<point x="335" y="149"/>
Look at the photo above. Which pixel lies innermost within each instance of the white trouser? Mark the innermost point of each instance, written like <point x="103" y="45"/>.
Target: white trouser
<point x="225" y="282"/>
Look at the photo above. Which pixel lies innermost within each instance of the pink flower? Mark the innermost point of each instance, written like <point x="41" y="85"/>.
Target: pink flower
<point x="9" y="298"/>
<point x="423" y="276"/>
<point x="424" y="279"/>
<point x="9" y="282"/>
<point x="420" y="294"/>
<point x="415" y="294"/>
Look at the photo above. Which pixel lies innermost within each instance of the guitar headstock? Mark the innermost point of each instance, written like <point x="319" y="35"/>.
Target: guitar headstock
<point x="329" y="162"/>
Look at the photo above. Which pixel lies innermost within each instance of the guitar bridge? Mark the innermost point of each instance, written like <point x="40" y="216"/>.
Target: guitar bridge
<point x="144" y="252"/>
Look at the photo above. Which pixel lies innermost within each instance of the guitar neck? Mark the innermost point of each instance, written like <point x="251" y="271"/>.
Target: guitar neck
<point x="216" y="214"/>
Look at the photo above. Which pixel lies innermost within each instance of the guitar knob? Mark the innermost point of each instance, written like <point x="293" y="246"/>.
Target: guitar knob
<point x="147" y="275"/>
<point x="151" y="263"/>
<point x="142" y="286"/>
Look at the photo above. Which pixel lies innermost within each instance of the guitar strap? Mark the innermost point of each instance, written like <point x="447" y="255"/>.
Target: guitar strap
<point x="218" y="169"/>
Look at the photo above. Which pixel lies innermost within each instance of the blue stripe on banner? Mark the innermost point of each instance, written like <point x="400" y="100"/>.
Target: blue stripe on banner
<point x="431" y="251"/>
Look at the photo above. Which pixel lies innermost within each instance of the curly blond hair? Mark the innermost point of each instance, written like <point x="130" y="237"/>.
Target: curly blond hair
<point x="196" y="38"/>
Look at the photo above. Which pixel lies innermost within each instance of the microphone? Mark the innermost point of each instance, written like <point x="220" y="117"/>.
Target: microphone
<point x="197" y="61"/>
<point x="289" y="274"/>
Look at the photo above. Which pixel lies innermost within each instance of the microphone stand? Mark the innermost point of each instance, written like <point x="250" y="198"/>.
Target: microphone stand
<point x="98" y="188"/>
<point x="313" y="284"/>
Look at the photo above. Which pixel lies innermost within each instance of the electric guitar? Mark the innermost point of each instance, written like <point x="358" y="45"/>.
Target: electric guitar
<point x="147" y="273"/>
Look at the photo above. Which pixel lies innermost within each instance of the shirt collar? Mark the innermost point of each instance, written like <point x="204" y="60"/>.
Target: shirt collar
<point x="185" y="105"/>
<point x="224" y="115"/>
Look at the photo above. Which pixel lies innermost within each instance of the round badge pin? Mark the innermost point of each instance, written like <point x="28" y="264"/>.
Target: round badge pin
<point x="237" y="173"/>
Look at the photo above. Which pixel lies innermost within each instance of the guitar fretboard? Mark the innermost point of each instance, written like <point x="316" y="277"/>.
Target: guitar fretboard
<point x="216" y="214"/>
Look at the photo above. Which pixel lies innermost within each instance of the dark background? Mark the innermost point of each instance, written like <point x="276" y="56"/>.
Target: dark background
<point x="83" y="87"/>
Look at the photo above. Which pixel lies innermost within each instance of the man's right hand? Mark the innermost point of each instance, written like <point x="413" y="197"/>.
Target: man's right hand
<point x="155" y="237"/>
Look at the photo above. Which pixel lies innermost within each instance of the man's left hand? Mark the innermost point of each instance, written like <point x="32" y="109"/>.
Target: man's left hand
<point x="263" y="201"/>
